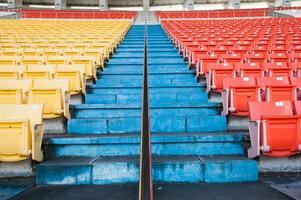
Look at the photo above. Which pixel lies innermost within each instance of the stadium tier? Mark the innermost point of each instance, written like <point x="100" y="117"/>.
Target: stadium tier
<point x="42" y="63"/>
<point x="247" y="60"/>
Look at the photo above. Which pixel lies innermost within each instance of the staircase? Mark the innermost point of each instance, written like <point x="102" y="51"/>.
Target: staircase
<point x="190" y="142"/>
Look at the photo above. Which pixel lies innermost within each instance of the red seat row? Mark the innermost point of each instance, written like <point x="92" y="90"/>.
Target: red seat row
<point x="75" y="14"/>
<point x="259" y="12"/>
<point x="238" y="92"/>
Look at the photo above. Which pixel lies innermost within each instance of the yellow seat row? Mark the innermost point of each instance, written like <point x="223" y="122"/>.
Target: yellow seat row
<point x="97" y="54"/>
<point x="53" y="94"/>
<point x="88" y="62"/>
<point x="74" y="73"/>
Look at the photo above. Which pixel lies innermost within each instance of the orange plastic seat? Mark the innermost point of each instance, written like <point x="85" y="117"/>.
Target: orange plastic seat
<point x="276" y="89"/>
<point x="274" y="130"/>
<point x="237" y="93"/>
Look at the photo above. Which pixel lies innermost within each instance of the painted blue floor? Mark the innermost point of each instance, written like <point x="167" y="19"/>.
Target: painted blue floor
<point x="190" y="142"/>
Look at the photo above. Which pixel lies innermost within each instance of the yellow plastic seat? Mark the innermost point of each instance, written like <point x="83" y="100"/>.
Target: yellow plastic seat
<point x="39" y="72"/>
<point x="88" y="62"/>
<point x="71" y="52"/>
<point x="10" y="72"/>
<point x="76" y="76"/>
<point x="31" y="52"/>
<point x="57" y="60"/>
<point x="53" y="94"/>
<point x="10" y="52"/>
<point x="104" y="47"/>
<point x="31" y="60"/>
<point x="98" y="55"/>
<point x="8" y="60"/>
<point x="51" y="52"/>
<point x="14" y="91"/>
<point x="21" y="132"/>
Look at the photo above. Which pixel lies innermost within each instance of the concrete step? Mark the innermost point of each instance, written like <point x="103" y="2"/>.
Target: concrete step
<point x="110" y="170"/>
<point x="159" y="124"/>
<point x="165" y="144"/>
<point x="156" y="98"/>
<point x="178" y="109"/>
<point x="152" y="77"/>
<point x="138" y="69"/>
<point x="99" y="89"/>
<point x="141" y="54"/>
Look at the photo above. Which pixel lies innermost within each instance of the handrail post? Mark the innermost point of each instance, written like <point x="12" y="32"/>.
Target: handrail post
<point x="145" y="182"/>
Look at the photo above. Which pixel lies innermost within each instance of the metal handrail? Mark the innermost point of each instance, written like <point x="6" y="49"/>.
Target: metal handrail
<point x="145" y="183"/>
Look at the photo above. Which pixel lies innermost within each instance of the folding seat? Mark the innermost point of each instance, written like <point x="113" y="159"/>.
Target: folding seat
<point x="294" y="57"/>
<point x="203" y="60"/>
<point x="61" y="46"/>
<point x="98" y="55"/>
<point x="31" y="52"/>
<point x="255" y="57"/>
<point x="276" y="89"/>
<point x="53" y="94"/>
<point x="274" y="130"/>
<point x="297" y="107"/>
<point x="296" y="82"/>
<point x="216" y="73"/>
<point x="76" y="76"/>
<point x="277" y="69"/>
<point x="237" y="93"/>
<point x="39" y="72"/>
<point x="277" y="49"/>
<point x="51" y="52"/>
<point x="57" y="60"/>
<point x="277" y="57"/>
<point x="31" y="60"/>
<point x="249" y="69"/>
<point x="25" y="45"/>
<point x="10" y="52"/>
<point x="14" y="91"/>
<point x="21" y="132"/>
<point x="71" y="52"/>
<point x="218" y="50"/>
<point x="103" y="47"/>
<point x="88" y="62"/>
<point x="11" y="72"/>
<point x="231" y="58"/>
<point x="8" y="60"/>
<point x="201" y="50"/>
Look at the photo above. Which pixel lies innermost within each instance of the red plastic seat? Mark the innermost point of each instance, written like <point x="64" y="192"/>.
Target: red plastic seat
<point x="274" y="130"/>
<point x="216" y="73"/>
<point x="277" y="69"/>
<point x="277" y="57"/>
<point x="237" y="93"/>
<point x="276" y="89"/>
<point x="203" y="61"/>
<point x="249" y="69"/>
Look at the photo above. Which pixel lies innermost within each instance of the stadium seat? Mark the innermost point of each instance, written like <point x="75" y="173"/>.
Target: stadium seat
<point x="39" y="72"/>
<point x="216" y="73"/>
<point x="8" y="60"/>
<point x="237" y="93"/>
<point x="277" y="69"/>
<point x="90" y="66"/>
<point x="14" y="91"/>
<point x="31" y="60"/>
<point x="31" y="52"/>
<point x="249" y="69"/>
<point x="76" y="76"/>
<point x="10" y="52"/>
<point x="276" y="89"/>
<point x="21" y="132"/>
<point x="57" y="60"/>
<point x="274" y="130"/>
<point x="11" y="72"/>
<point x="98" y="55"/>
<point x="53" y="94"/>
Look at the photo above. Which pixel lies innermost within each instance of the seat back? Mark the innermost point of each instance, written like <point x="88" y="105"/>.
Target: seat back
<point x="90" y="70"/>
<point x="238" y="82"/>
<point x="8" y="60"/>
<point x="14" y="91"/>
<point x="39" y="72"/>
<point x="17" y="132"/>
<point x="31" y="60"/>
<point x="51" y="93"/>
<point x="259" y="109"/>
<point x="10" y="72"/>
<point x="273" y="81"/>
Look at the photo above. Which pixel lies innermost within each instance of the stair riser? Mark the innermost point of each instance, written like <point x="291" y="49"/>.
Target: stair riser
<point x="140" y="61"/>
<point x="155" y="99"/>
<point x="138" y="91"/>
<point x="152" y="82"/>
<point x="128" y="172"/>
<point x="160" y="124"/>
<point x="165" y="149"/>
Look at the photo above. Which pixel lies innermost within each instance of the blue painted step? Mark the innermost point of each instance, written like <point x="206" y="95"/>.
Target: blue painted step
<point x="110" y="170"/>
<point x="159" y="124"/>
<point x="165" y="144"/>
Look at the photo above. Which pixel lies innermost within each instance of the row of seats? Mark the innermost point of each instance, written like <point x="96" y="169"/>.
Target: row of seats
<point x="15" y="65"/>
<point x="42" y="63"/>
<point x="75" y="74"/>
<point x="238" y="92"/>
<point x="73" y="14"/>
<point x="53" y="94"/>
<point x="258" y="12"/>
<point x="255" y="64"/>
